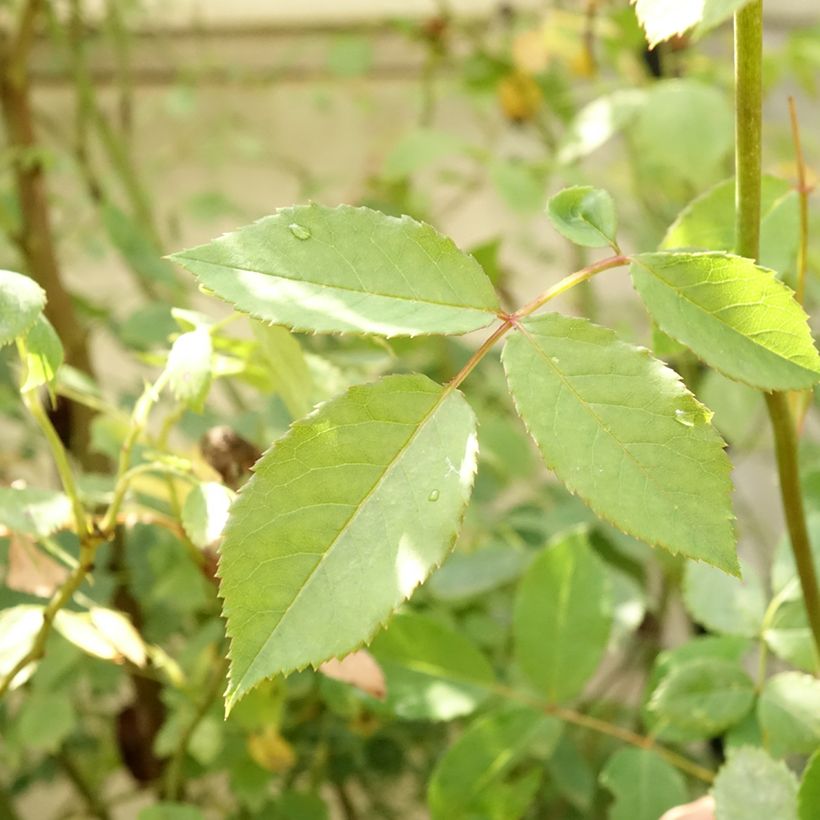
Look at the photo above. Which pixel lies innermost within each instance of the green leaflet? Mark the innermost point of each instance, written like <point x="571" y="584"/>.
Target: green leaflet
<point x="45" y="721"/>
<point x="43" y="354"/>
<point x="753" y="785"/>
<point x="21" y="300"/>
<point x="33" y="511"/>
<point x="723" y="604"/>
<point x="19" y="626"/>
<point x="284" y="360"/>
<point x="703" y="647"/>
<point x="418" y="149"/>
<point x="621" y="431"/>
<point x="432" y="672"/>
<point x="789" y="714"/>
<point x="732" y="313"/>
<point x="708" y="223"/>
<point x="643" y="784"/>
<point x="483" y="756"/>
<point x="342" y="519"/>
<point x="808" y="795"/>
<point x="562" y="617"/>
<point x="705" y="696"/>
<point x="344" y="270"/>
<point x="789" y="636"/>
<point x="584" y="215"/>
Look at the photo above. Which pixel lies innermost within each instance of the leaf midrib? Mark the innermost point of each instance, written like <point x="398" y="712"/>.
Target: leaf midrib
<point x="358" y="292"/>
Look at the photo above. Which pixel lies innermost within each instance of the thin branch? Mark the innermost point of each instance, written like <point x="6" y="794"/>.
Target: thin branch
<point x="85" y="789"/>
<point x="173" y="779"/>
<point x="785" y="440"/>
<point x="88" y="548"/>
<point x="803" y="191"/>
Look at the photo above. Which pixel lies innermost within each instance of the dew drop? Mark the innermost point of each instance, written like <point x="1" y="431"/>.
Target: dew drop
<point x="434" y="494"/>
<point x="299" y="231"/>
<point x="555" y="359"/>
<point x="685" y="417"/>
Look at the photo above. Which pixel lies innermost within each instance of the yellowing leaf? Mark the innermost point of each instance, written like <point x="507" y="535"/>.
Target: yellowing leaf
<point x="271" y="751"/>
<point x="31" y="570"/>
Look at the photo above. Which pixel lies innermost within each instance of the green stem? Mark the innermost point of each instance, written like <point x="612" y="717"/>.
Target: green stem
<point x="85" y="789"/>
<point x="748" y="127"/>
<point x="803" y="191"/>
<point x="88" y="548"/>
<point x="58" y="453"/>
<point x="173" y="779"/>
<point x="139" y="419"/>
<point x="785" y="441"/>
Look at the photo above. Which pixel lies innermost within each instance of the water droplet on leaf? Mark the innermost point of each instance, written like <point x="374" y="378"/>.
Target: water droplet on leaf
<point x="434" y="494"/>
<point x="685" y="417"/>
<point x="299" y="231"/>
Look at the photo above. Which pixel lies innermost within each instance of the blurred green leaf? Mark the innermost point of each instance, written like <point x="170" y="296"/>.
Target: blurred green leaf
<point x="469" y="575"/>
<point x="487" y="751"/>
<point x="708" y="223"/>
<point x="808" y="795"/>
<point x="133" y="242"/>
<point x="284" y="361"/>
<point x="19" y="626"/>
<point x="724" y="604"/>
<point x="171" y="811"/>
<point x="45" y="721"/>
<point x="44" y="354"/>
<point x="21" y="300"/>
<point x="752" y="784"/>
<point x="418" y="149"/>
<point x="706" y="696"/>
<point x="789" y="714"/>
<point x="644" y="785"/>
<point x="597" y="122"/>
<point x="665" y="146"/>
<point x="789" y="636"/>
<point x="32" y="511"/>
<point x="432" y="672"/>
<point x="520" y="185"/>
<point x="562" y="617"/>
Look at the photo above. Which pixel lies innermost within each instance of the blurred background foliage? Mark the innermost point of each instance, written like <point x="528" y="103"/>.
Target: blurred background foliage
<point x="151" y="130"/>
